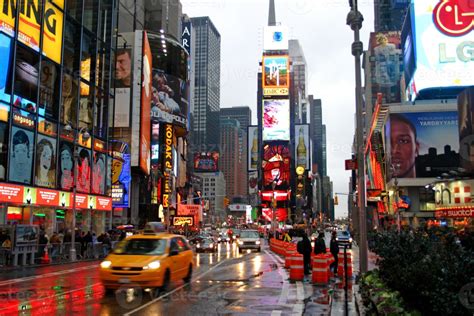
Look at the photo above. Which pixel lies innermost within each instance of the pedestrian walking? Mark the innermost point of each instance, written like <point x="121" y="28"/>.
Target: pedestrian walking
<point x="106" y="244"/>
<point x="304" y="247"/>
<point x="320" y="245"/>
<point x="334" y="248"/>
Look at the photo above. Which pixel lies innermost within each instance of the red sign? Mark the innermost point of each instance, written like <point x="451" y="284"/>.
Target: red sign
<point x="11" y="193"/>
<point x="454" y="213"/>
<point x="47" y="197"/>
<point x="281" y="214"/>
<point x="351" y="164"/>
<point x="81" y="201"/>
<point x="145" y="126"/>
<point x="454" y="17"/>
<point x="188" y="209"/>
<point x="104" y="203"/>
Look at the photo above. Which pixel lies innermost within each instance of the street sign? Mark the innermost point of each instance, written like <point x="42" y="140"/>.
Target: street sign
<point x="351" y="164"/>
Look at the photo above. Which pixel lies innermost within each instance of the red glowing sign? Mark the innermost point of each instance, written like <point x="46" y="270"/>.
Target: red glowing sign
<point x="454" y="17"/>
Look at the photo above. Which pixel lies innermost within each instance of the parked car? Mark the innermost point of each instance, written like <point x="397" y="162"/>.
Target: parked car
<point x="343" y="237"/>
<point x="249" y="239"/>
<point x="206" y="245"/>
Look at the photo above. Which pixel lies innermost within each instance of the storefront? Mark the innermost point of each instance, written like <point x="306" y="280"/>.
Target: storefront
<point x="52" y="210"/>
<point x="454" y="204"/>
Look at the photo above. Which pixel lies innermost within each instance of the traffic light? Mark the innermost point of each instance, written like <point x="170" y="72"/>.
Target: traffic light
<point x="336" y="200"/>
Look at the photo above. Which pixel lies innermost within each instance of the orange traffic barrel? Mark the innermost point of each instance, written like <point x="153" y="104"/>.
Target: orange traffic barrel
<point x="297" y="268"/>
<point x="340" y="264"/>
<point x="289" y="256"/>
<point x="320" y="269"/>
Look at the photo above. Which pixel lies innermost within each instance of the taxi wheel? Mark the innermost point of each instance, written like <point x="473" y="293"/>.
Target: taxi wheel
<point x="188" y="278"/>
<point x="166" y="281"/>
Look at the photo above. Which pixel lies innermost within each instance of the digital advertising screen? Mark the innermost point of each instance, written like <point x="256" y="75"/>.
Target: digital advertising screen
<point x="206" y="162"/>
<point x="83" y="170"/>
<point x="302" y="146"/>
<point x="466" y="129"/>
<point x="145" y="125"/>
<point x="275" y="37"/>
<point x="387" y="65"/>
<point x="45" y="162"/>
<point x="443" y="44"/>
<point x="253" y="152"/>
<point x="121" y="174"/>
<point x="21" y="155"/>
<point x="253" y="182"/>
<point x="422" y="144"/>
<point x="276" y="75"/>
<point x="5" y="64"/>
<point x="276" y="164"/>
<point x="276" y="120"/>
<point x="66" y="165"/>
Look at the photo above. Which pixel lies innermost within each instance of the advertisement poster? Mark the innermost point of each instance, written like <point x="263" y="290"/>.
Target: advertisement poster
<point x="45" y="162"/>
<point x="123" y="79"/>
<point x="98" y="173"/>
<point x="443" y="44"/>
<point x="83" y="167"/>
<point x="26" y="235"/>
<point x="5" y="63"/>
<point x="386" y="62"/>
<point x="253" y="182"/>
<point x="276" y="120"/>
<point x="302" y="146"/>
<point x="3" y="149"/>
<point x="169" y="99"/>
<point x="276" y="75"/>
<point x="254" y="151"/>
<point x="52" y="32"/>
<point x="21" y="155"/>
<point x="466" y="129"/>
<point x="276" y="164"/>
<point x="121" y="174"/>
<point x="206" y="162"/>
<point x="26" y="80"/>
<point x="423" y="144"/>
<point x="275" y="37"/>
<point x="66" y="164"/>
<point x="145" y="125"/>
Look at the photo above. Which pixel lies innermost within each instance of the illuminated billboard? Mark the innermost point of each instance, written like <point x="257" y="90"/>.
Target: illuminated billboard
<point x="422" y="144"/>
<point x="276" y="120"/>
<point x="168" y="134"/>
<point x="302" y="146"/>
<point x="206" y="161"/>
<point x="466" y="129"/>
<point x="386" y="63"/>
<point x="121" y="174"/>
<point x="276" y="75"/>
<point x="275" y="38"/>
<point x="443" y="45"/>
<point x="276" y="164"/>
<point x="254" y="151"/>
<point x="145" y="126"/>
<point x="30" y="25"/>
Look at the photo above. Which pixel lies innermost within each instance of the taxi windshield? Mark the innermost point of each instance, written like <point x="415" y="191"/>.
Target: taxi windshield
<point x="150" y="247"/>
<point x="249" y="234"/>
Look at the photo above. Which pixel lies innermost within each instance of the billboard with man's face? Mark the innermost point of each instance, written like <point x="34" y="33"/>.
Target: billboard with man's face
<point x="422" y="144"/>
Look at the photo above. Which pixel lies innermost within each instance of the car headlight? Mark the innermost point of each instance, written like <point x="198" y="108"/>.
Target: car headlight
<point x="198" y="246"/>
<point x="152" y="265"/>
<point x="105" y="264"/>
<point x="350" y="239"/>
<point x="211" y="245"/>
<point x="240" y="242"/>
<point x="235" y="237"/>
<point x="337" y="239"/>
<point x="257" y="242"/>
<point x="219" y="239"/>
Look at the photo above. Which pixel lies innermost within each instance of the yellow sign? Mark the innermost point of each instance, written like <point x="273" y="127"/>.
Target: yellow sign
<point x="181" y="221"/>
<point x="30" y="25"/>
<point x="53" y="31"/>
<point x="275" y="91"/>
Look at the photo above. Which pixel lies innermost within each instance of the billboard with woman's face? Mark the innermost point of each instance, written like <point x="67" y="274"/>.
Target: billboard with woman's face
<point x="83" y="166"/>
<point x="121" y="174"/>
<point x="45" y="162"/>
<point x="21" y="155"/>
<point x="98" y="174"/>
<point x="66" y="164"/>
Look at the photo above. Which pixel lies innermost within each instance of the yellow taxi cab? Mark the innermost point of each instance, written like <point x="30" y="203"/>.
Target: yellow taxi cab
<point x="150" y="260"/>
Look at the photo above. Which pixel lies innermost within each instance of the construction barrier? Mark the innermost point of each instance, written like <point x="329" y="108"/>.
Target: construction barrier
<point x="340" y="264"/>
<point x="297" y="268"/>
<point x="320" y="269"/>
<point x="290" y="252"/>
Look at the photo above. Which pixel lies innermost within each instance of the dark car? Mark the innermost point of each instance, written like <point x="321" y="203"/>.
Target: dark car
<point x="343" y="237"/>
<point x="206" y="245"/>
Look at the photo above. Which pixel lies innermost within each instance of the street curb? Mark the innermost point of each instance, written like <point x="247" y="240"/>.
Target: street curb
<point x="35" y="266"/>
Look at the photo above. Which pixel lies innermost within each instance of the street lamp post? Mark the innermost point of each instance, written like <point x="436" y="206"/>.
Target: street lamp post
<point x="85" y="137"/>
<point x="395" y="168"/>
<point x="354" y="20"/>
<point x="273" y="208"/>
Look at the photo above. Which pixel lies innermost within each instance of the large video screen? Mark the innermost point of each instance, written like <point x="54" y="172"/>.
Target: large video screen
<point x="276" y="120"/>
<point x="422" y="144"/>
<point x="206" y="162"/>
<point x="276" y="75"/>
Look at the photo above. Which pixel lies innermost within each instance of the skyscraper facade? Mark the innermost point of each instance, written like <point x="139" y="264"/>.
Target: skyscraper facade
<point x="316" y="133"/>
<point x="300" y="79"/>
<point x="389" y="14"/>
<point x="207" y="61"/>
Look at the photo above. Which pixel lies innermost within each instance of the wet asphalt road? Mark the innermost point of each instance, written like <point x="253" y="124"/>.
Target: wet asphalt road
<point x="224" y="283"/>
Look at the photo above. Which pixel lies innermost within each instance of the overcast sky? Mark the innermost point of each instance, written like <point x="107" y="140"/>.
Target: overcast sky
<point x="320" y="26"/>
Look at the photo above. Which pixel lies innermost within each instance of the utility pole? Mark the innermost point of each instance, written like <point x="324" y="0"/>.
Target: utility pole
<point x="354" y="20"/>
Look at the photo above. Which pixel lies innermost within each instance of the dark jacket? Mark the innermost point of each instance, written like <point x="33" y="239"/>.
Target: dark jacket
<point x="334" y="247"/>
<point x="319" y="246"/>
<point x="304" y="246"/>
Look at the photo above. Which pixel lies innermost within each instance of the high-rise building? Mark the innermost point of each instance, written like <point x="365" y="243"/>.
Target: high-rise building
<point x="207" y="62"/>
<point x="243" y="114"/>
<point x="300" y="79"/>
<point x="389" y="14"/>
<point x="163" y="15"/>
<point x="324" y="149"/>
<point x="316" y="133"/>
<point x="231" y="158"/>
<point x="214" y="191"/>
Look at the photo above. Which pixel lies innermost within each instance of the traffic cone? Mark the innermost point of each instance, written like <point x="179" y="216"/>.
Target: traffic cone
<point x="45" y="258"/>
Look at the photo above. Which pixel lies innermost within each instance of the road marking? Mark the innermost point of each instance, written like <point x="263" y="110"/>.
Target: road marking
<point x="299" y="291"/>
<point x="276" y="313"/>
<point x="25" y="279"/>
<point x="175" y="290"/>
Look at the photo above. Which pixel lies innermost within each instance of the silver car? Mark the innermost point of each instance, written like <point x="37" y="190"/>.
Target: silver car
<point x="249" y="239"/>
